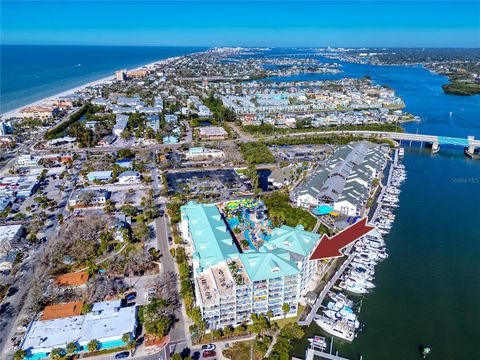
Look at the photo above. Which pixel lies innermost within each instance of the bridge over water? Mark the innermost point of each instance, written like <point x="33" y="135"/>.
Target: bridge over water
<point x="470" y="144"/>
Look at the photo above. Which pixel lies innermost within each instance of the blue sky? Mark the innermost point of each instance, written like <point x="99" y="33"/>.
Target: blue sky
<point x="242" y="23"/>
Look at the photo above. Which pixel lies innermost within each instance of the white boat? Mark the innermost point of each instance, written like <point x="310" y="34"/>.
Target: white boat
<point x="336" y="328"/>
<point x="318" y="341"/>
<point x="353" y="288"/>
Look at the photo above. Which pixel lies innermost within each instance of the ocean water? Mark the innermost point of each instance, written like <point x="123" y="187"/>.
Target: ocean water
<point x="29" y="73"/>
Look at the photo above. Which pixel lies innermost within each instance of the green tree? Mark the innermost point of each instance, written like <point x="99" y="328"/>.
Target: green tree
<point x="176" y="356"/>
<point x="20" y="354"/>
<point x="259" y="323"/>
<point x="71" y="348"/>
<point x="158" y="317"/>
<point x="126" y="154"/>
<point x="126" y="337"/>
<point x="56" y="353"/>
<point x="228" y="331"/>
<point x="93" y="345"/>
<point x="285" y="309"/>
<point x="270" y="314"/>
<point x="86" y="308"/>
<point x="217" y="333"/>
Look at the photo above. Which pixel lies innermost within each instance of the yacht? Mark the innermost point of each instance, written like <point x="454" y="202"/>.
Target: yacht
<point x="337" y="328"/>
<point x="353" y="288"/>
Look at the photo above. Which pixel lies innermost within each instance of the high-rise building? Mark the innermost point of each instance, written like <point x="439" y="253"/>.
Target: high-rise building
<point x="230" y="285"/>
<point x="121" y="75"/>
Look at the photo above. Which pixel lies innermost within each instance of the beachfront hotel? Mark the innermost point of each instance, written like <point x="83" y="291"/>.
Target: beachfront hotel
<point x="231" y="284"/>
<point x="38" y="112"/>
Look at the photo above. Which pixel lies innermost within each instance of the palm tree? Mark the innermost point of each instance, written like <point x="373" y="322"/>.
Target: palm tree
<point x="93" y="345"/>
<point x="285" y="309"/>
<point x="71" y="348"/>
<point x="228" y="331"/>
<point x="56" y="353"/>
<point x="126" y="337"/>
<point x="131" y="346"/>
<point x="20" y="354"/>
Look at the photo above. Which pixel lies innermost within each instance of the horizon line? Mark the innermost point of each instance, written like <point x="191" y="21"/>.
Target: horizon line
<point x="250" y="46"/>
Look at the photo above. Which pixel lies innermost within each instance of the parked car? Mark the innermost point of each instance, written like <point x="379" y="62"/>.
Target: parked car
<point x="209" y="354"/>
<point x="208" y="347"/>
<point x="122" y="355"/>
<point x="131" y="296"/>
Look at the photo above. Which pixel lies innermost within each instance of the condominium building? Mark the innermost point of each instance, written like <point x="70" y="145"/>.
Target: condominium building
<point x="346" y="179"/>
<point x="230" y="285"/>
<point x="38" y="112"/>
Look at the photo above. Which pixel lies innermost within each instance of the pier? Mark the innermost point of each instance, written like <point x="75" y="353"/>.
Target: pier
<point x="311" y="353"/>
<point x="313" y="312"/>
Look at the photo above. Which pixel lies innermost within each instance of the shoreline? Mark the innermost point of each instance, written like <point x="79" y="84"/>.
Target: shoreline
<point x="15" y="112"/>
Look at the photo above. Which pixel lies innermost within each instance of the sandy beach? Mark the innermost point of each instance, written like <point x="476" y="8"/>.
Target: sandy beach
<point x="15" y="112"/>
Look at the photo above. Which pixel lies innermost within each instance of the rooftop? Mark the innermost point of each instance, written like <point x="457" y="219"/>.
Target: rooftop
<point x="211" y="238"/>
<point x="263" y="266"/>
<point x="293" y="239"/>
<point x="62" y="310"/>
<point x="47" y="334"/>
<point x="72" y="279"/>
<point x="8" y="232"/>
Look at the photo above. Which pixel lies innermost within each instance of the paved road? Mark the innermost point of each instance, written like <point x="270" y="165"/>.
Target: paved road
<point x="178" y="334"/>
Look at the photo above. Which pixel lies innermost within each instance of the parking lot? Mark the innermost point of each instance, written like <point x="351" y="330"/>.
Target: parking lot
<point x="300" y="153"/>
<point x="223" y="183"/>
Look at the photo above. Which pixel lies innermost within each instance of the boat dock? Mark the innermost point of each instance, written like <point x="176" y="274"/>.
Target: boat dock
<point x="311" y="353"/>
<point x="313" y="312"/>
<point x="378" y="206"/>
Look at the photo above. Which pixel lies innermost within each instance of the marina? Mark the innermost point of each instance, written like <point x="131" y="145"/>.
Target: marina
<point x="338" y="316"/>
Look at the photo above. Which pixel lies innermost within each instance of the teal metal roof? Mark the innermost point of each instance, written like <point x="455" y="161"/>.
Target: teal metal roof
<point x="263" y="266"/>
<point x="213" y="243"/>
<point x="293" y="239"/>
